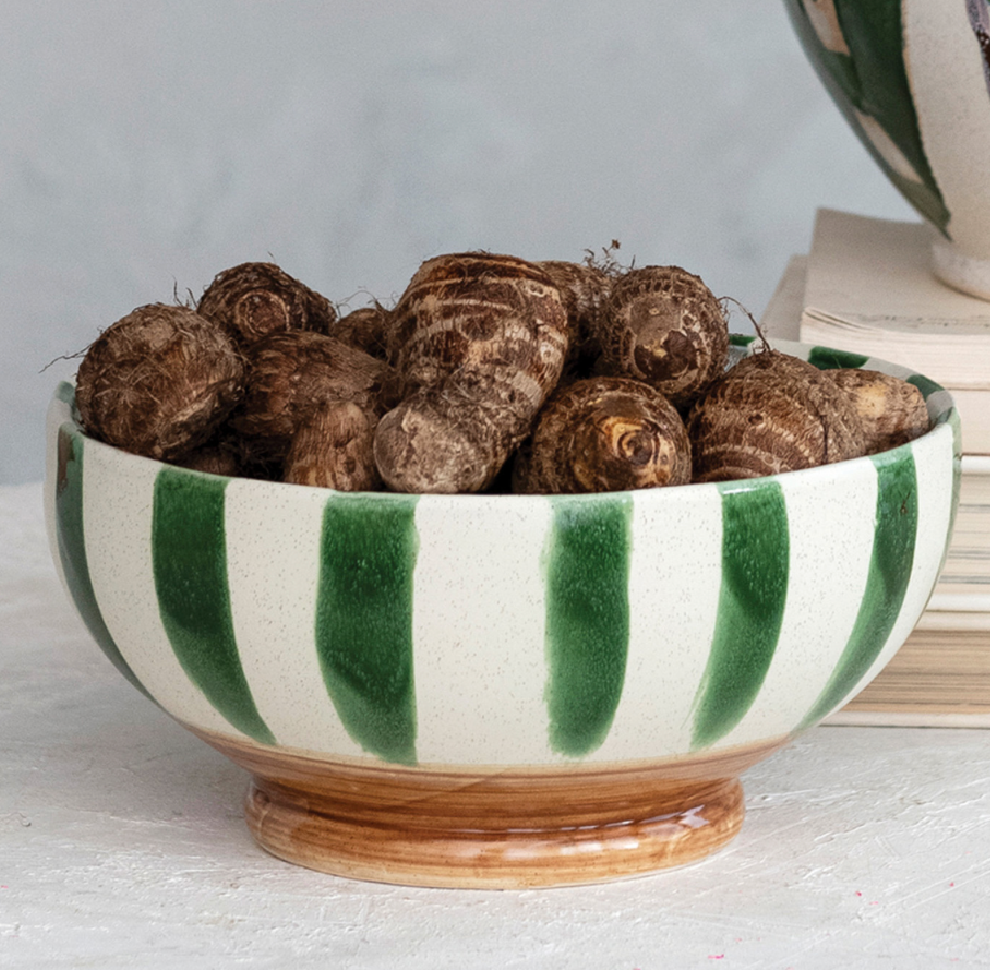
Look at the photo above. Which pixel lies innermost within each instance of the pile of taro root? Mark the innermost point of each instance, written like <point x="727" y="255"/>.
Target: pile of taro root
<point x="491" y="373"/>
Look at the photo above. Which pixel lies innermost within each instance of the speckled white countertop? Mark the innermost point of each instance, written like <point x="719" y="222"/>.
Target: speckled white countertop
<point x="122" y="845"/>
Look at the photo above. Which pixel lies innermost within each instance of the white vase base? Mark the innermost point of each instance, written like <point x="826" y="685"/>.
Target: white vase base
<point x="960" y="271"/>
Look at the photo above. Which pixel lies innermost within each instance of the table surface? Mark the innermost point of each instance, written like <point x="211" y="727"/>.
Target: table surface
<point x="122" y="845"/>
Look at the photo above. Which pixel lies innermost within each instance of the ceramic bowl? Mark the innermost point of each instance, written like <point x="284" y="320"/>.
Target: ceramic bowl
<point x="500" y="690"/>
<point x="912" y="78"/>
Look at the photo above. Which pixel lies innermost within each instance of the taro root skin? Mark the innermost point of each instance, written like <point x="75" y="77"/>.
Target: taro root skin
<point x="431" y="443"/>
<point x="771" y="413"/>
<point x="365" y="328"/>
<point x="664" y="326"/>
<point x="332" y="448"/>
<point x="478" y="342"/>
<point x="494" y="318"/>
<point x="252" y="300"/>
<point x="291" y="374"/>
<point x="605" y="434"/>
<point x="159" y="381"/>
<point x="892" y="411"/>
<point x="584" y="289"/>
<point x="216" y="457"/>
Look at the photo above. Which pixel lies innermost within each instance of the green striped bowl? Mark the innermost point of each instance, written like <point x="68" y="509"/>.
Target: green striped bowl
<point x="498" y="690"/>
<point x="502" y="630"/>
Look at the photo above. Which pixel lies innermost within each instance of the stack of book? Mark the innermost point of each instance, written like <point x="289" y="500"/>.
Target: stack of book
<point x="866" y="287"/>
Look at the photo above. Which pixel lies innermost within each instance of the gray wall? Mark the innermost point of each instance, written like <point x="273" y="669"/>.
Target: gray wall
<point x="149" y="145"/>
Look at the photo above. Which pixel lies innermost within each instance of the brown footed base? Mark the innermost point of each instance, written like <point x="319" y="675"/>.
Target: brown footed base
<point x="430" y="851"/>
<point x="491" y="828"/>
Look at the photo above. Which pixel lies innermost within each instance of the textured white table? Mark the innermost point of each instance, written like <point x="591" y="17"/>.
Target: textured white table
<point x="122" y="845"/>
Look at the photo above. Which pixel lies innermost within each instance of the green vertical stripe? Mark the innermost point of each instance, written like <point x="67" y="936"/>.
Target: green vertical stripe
<point x="741" y="339"/>
<point x="72" y="548"/>
<point x="66" y="393"/>
<point x="190" y="565"/>
<point x="755" y="568"/>
<point x="364" y="620"/>
<point x="924" y="384"/>
<point x="587" y="619"/>
<point x="825" y="358"/>
<point x="887" y="580"/>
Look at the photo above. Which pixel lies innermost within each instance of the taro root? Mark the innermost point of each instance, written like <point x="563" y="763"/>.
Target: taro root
<point x="159" y="381"/>
<point x="892" y="411"/>
<point x="604" y="434"/>
<point x="440" y="442"/>
<point x="771" y="413"/>
<point x="293" y="373"/>
<point x="217" y="457"/>
<point x="365" y="328"/>
<point x="259" y="459"/>
<point x="584" y="288"/>
<point x="662" y="325"/>
<point x="478" y="341"/>
<point x="252" y="300"/>
<point x="332" y="448"/>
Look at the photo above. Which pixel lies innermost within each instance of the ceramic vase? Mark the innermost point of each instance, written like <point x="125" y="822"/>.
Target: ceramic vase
<point x="912" y="78"/>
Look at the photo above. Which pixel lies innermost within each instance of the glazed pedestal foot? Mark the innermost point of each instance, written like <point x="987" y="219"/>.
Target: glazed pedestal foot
<point x="451" y="839"/>
<point x="490" y="827"/>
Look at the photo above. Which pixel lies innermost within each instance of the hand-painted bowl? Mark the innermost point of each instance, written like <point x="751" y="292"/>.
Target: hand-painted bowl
<point x="912" y="79"/>
<point x="500" y="690"/>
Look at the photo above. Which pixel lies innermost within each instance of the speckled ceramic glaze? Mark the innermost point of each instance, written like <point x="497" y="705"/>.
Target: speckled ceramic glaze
<point x="912" y="78"/>
<point x="382" y="639"/>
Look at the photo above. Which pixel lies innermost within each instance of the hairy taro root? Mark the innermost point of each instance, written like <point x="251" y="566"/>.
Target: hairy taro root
<point x="252" y="300"/>
<point x="662" y="325"/>
<point x="604" y="434"/>
<point x="332" y="448"/>
<point x="891" y="411"/>
<point x="217" y="457"/>
<point x="771" y="413"/>
<point x="294" y="375"/>
<point x="584" y="289"/>
<point x="158" y="382"/>
<point x="478" y="342"/>
<point x="365" y="328"/>
<point x="484" y="355"/>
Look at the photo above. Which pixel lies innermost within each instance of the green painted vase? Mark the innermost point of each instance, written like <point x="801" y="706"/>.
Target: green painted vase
<point x="912" y="78"/>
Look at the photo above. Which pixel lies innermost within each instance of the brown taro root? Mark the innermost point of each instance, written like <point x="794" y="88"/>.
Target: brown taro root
<point x="442" y="442"/>
<point x="290" y="375"/>
<point x="159" y="381"/>
<point x="892" y="411"/>
<point x="365" y="328"/>
<point x="332" y="448"/>
<point x="662" y="325"/>
<point x="584" y="289"/>
<point x="217" y="457"/>
<point x="478" y="341"/>
<point x="252" y="300"/>
<point x="771" y="413"/>
<point x="604" y="434"/>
